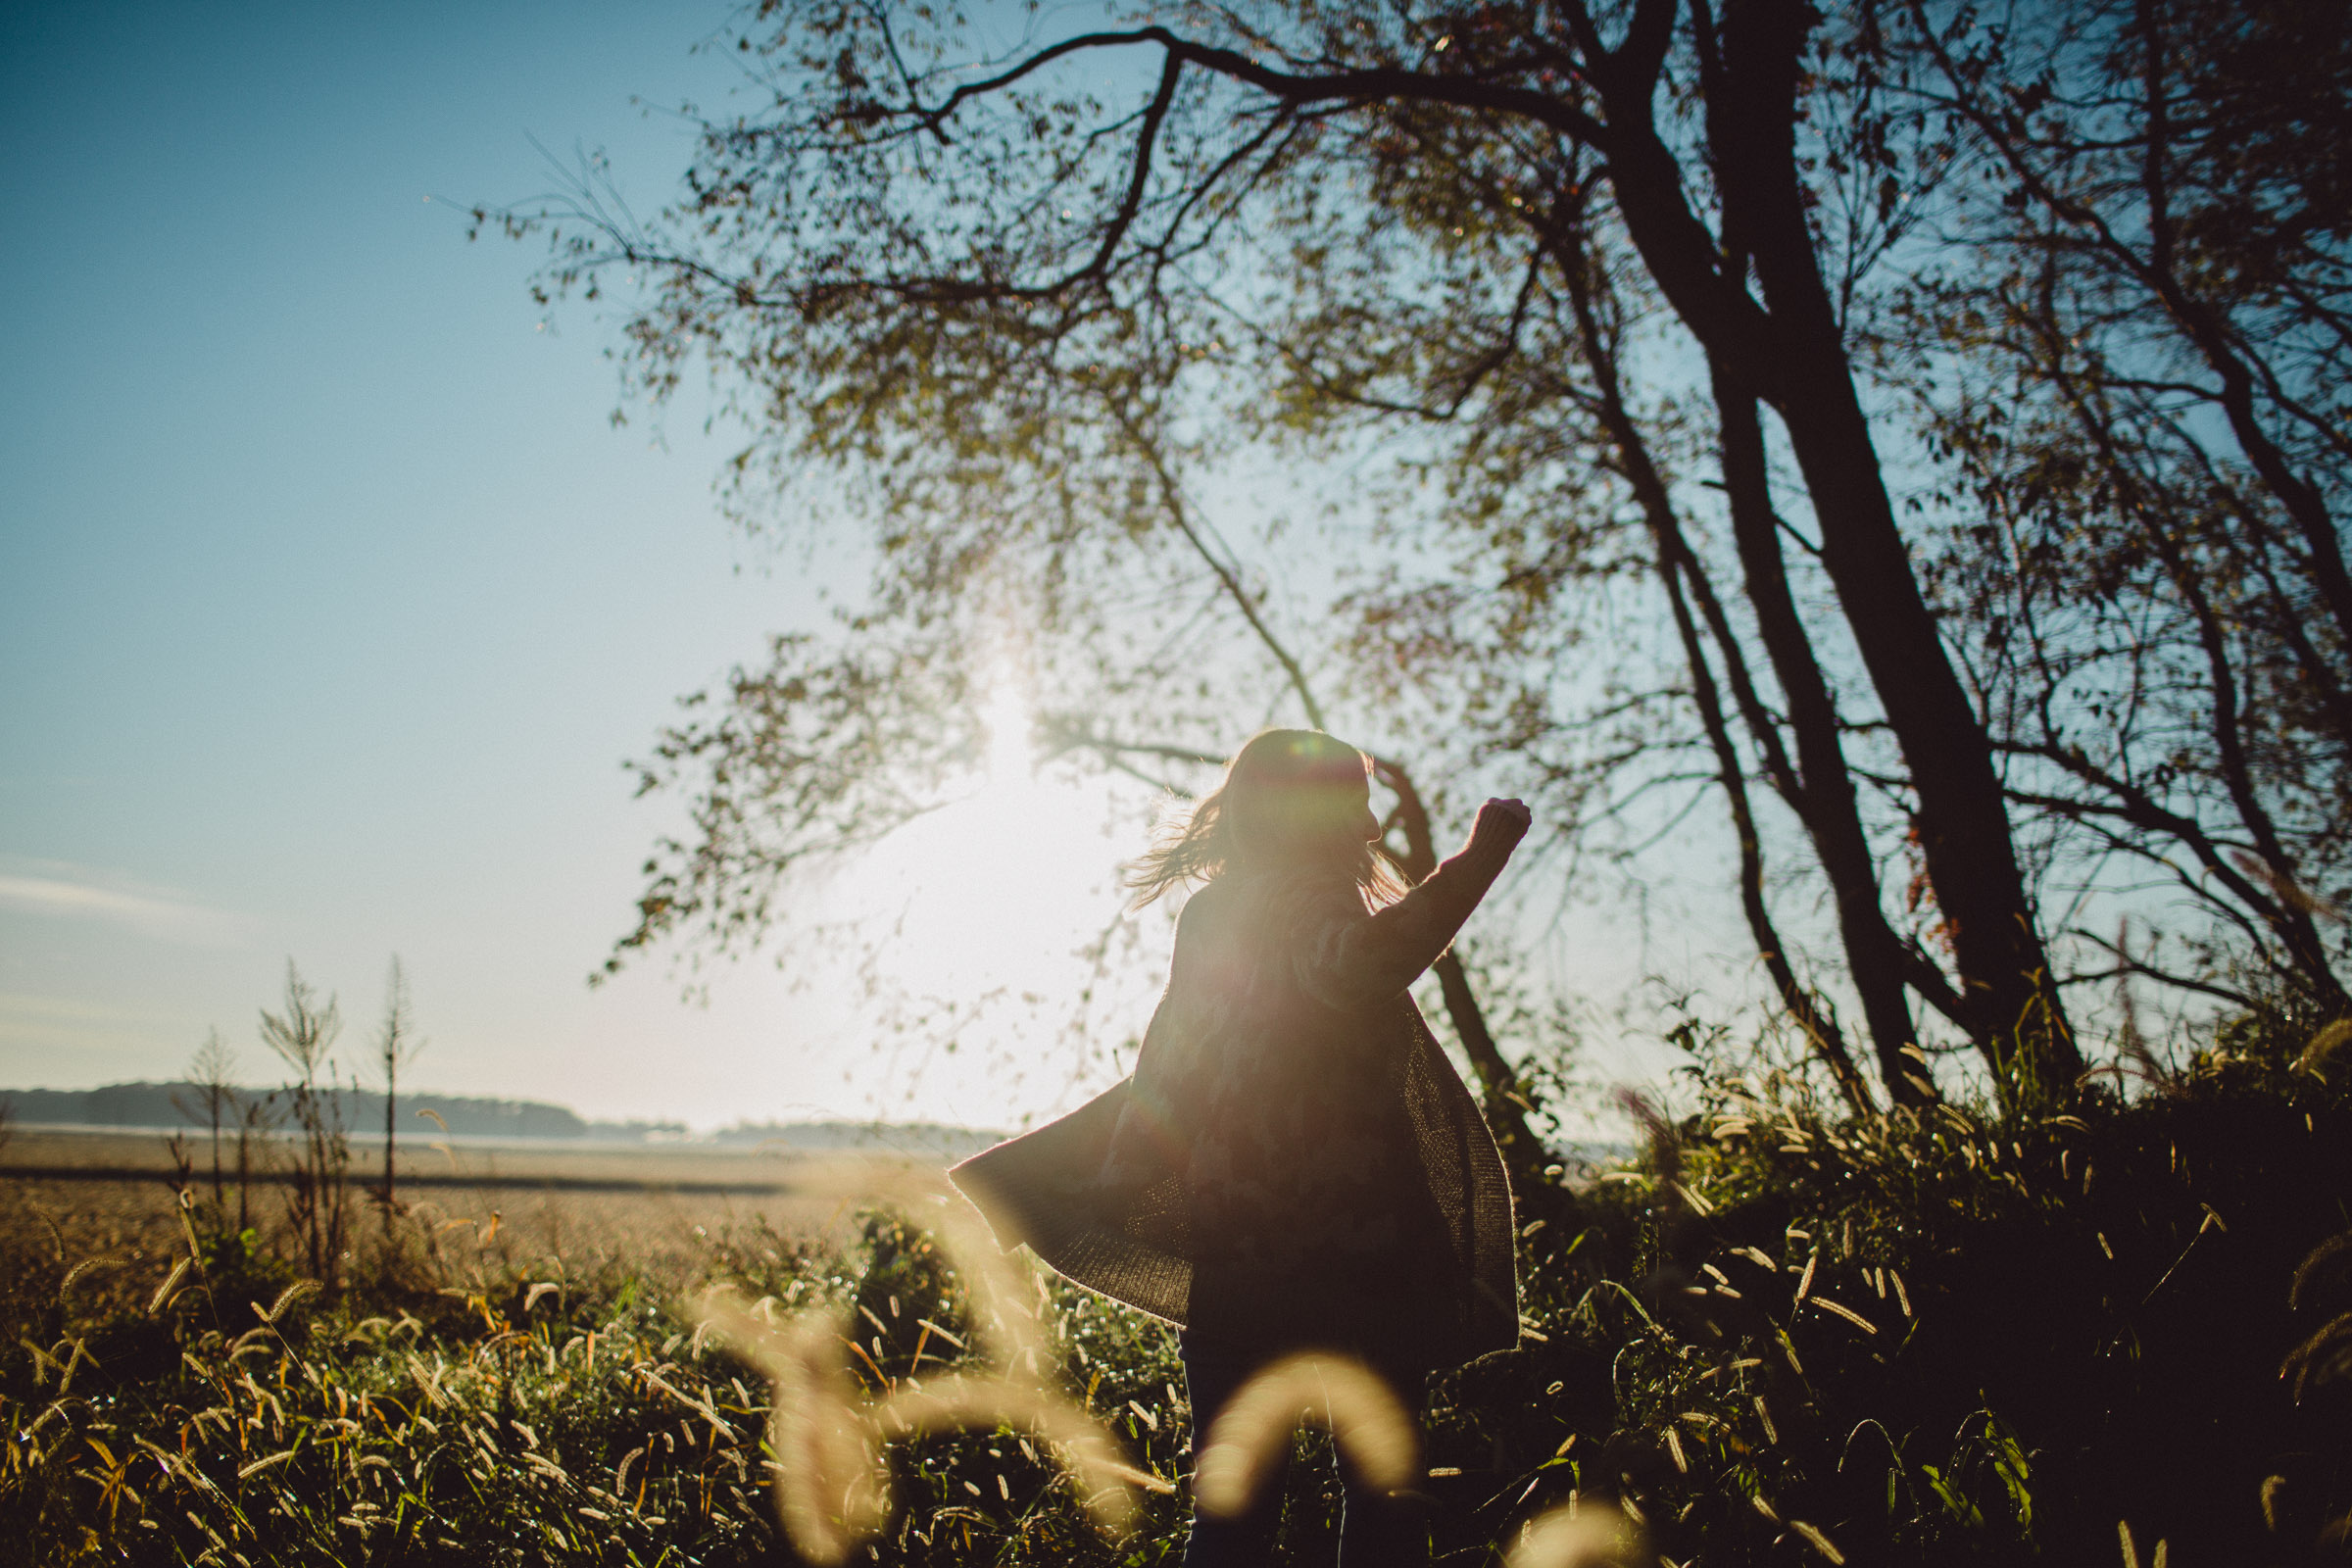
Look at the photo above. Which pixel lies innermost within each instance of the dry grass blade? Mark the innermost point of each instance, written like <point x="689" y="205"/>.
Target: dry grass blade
<point x="1818" y="1542"/>
<point x="1589" y="1536"/>
<point x="42" y="1361"/>
<point x="1364" y="1416"/>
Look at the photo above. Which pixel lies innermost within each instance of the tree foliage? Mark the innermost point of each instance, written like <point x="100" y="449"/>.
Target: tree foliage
<point x="1917" y="425"/>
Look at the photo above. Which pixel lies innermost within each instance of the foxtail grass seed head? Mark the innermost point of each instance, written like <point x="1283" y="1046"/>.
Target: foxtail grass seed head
<point x="285" y="1299"/>
<point x="2323" y="1047"/>
<point x="1587" y="1536"/>
<point x="2333" y="1254"/>
<point x="2325" y="1355"/>
<point x="1364" y="1415"/>
<point x="830" y="1491"/>
<point x="1104" y="1483"/>
<point x="1009" y="1329"/>
<point x="163" y="1293"/>
<point x="1824" y="1304"/>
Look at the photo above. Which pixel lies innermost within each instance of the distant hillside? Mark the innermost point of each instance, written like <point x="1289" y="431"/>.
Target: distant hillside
<point x="146" y="1104"/>
<point x="161" y="1106"/>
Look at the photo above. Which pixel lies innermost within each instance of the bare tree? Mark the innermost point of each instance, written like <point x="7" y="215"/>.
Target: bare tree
<point x="303" y="1036"/>
<point x="396" y="1046"/>
<point x="211" y="1073"/>
<point x="2139" y="378"/>
<point x="921" y="260"/>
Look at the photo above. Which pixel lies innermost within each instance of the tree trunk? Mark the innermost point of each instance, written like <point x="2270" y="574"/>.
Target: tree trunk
<point x="1826" y="802"/>
<point x="1821" y="1030"/>
<point x="1795" y="356"/>
<point x="391" y="1128"/>
<point x="1822" y="794"/>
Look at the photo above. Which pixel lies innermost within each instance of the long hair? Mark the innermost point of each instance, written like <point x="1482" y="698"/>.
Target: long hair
<point x="1283" y="790"/>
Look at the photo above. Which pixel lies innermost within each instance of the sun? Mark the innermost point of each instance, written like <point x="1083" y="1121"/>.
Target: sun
<point x="999" y="887"/>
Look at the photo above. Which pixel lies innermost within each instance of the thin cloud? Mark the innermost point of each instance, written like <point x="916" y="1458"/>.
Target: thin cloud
<point x="76" y="893"/>
<point x="57" y="1029"/>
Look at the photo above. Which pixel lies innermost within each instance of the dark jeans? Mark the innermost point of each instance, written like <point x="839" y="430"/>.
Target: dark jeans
<point x="1376" y="1529"/>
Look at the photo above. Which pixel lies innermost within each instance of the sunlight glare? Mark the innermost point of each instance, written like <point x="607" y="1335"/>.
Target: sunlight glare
<point x="977" y="911"/>
<point x="1004" y="717"/>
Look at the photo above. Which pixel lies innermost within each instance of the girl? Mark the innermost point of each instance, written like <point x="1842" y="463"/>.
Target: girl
<point x="1294" y="1164"/>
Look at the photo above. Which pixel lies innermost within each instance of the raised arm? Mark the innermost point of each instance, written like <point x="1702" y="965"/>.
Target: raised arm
<point x="1356" y="959"/>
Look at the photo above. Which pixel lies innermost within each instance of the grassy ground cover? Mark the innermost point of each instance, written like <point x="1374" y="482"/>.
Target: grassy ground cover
<point x="2095" y="1331"/>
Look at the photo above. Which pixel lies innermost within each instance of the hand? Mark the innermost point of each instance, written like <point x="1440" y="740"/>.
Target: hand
<point x="1504" y="821"/>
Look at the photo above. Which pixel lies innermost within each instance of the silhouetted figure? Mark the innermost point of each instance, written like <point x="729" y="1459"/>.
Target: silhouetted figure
<point x="1295" y="1164"/>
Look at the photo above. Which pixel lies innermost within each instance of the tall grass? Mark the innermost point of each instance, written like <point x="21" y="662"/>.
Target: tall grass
<point x="213" y="1410"/>
<point x="1955" y="1337"/>
<point x="2108" y="1331"/>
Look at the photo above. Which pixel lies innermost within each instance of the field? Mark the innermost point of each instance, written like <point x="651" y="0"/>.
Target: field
<point x="523" y="1291"/>
<point x="108" y="1198"/>
<point x="514" y="1202"/>
<point x="2096" y="1331"/>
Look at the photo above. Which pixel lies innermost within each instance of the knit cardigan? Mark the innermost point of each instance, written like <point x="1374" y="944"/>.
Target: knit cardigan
<point x="1294" y="1160"/>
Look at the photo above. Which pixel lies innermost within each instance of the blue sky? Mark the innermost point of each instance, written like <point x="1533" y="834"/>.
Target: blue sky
<point x="330" y="601"/>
